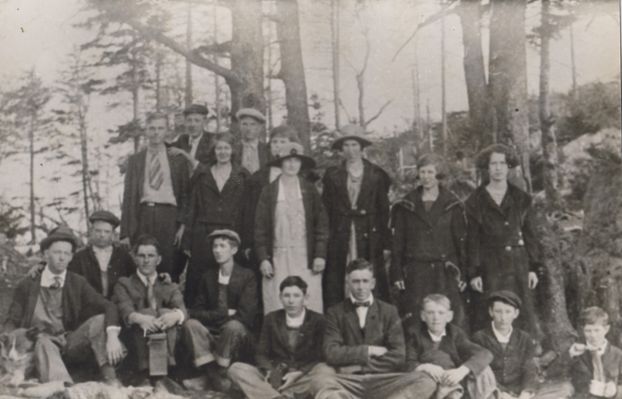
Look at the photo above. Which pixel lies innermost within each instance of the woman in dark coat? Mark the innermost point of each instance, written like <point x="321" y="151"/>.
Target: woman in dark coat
<point x="217" y="192"/>
<point x="504" y="252"/>
<point x="429" y="233"/>
<point x="355" y="195"/>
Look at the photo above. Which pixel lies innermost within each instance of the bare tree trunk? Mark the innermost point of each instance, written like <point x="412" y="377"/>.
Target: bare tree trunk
<point x="547" y="122"/>
<point x="443" y="89"/>
<point x="188" y="92"/>
<point x="31" y="139"/>
<point x="508" y="79"/>
<point x="335" y="40"/>
<point x="158" y="77"/>
<point x="85" y="165"/>
<point x="474" y="71"/>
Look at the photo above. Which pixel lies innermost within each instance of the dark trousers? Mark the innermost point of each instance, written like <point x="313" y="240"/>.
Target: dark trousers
<point x="160" y="221"/>
<point x="201" y="259"/>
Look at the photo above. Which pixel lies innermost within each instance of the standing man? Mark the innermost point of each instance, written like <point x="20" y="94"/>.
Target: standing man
<point x="196" y="142"/>
<point x="101" y="263"/>
<point x="74" y="323"/>
<point x="155" y="193"/>
<point x="255" y="154"/>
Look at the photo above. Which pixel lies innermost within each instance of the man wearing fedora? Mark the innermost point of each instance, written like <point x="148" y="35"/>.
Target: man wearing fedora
<point x="101" y="262"/>
<point x="155" y="193"/>
<point x="355" y="195"/>
<point x="72" y="322"/>
<point x="254" y="153"/>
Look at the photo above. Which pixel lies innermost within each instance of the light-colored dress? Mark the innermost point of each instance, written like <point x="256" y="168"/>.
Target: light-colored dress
<point x="289" y="256"/>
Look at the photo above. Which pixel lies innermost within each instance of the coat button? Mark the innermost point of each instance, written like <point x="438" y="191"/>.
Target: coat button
<point x="363" y="211"/>
<point x="506" y="223"/>
<point x="508" y="248"/>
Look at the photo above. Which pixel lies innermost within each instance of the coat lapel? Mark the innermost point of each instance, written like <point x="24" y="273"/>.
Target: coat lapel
<point x="352" y="319"/>
<point x="366" y="184"/>
<point x="342" y="187"/>
<point x="33" y="295"/>
<point x="94" y="266"/>
<point x="141" y="159"/>
<point x="371" y="322"/>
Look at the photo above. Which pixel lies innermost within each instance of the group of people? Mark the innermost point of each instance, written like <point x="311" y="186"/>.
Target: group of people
<point x="316" y="274"/>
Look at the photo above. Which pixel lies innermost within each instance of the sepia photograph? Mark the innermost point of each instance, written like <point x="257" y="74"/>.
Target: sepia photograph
<point x="310" y="199"/>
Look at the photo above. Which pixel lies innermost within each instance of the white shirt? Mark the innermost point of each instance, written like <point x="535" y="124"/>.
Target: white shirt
<point x="222" y="279"/>
<point x="503" y="339"/>
<point x="281" y="195"/>
<point x="361" y="311"/>
<point x="48" y="278"/>
<point x="103" y="256"/>
<point x="274" y="173"/>
<point x="295" y="322"/>
<point x="437" y="338"/>
<point x="146" y="279"/>
<point x="194" y="144"/>
<point x="165" y="194"/>
<point x="600" y="351"/>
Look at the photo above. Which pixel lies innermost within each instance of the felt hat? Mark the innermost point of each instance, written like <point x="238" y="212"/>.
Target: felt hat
<point x="196" y="109"/>
<point x="105" y="216"/>
<point x="224" y="233"/>
<point x="251" y="113"/>
<point x="293" y="150"/>
<point x="60" y="233"/>
<point x="351" y="132"/>
<point x="505" y="296"/>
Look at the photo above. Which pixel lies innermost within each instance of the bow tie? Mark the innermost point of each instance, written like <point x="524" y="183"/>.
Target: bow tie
<point x="365" y="304"/>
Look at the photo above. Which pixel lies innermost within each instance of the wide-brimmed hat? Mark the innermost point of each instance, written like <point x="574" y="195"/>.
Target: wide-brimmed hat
<point x="224" y="233"/>
<point x="196" y="109"/>
<point x="505" y="296"/>
<point x="105" y="216"/>
<point x="293" y="150"/>
<point x="350" y="132"/>
<point x="60" y="233"/>
<point x="251" y="113"/>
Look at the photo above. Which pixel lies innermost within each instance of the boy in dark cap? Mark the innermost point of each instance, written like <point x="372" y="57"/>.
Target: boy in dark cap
<point x="101" y="262"/>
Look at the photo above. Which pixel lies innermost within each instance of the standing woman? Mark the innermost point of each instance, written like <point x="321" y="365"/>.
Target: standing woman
<point x="356" y="198"/>
<point x="503" y="250"/>
<point x="429" y="233"/>
<point x="291" y="230"/>
<point x="215" y="203"/>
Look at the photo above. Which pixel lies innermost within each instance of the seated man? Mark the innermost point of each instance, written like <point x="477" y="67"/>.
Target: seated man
<point x="226" y="305"/>
<point x="101" y="263"/>
<point x="444" y="352"/>
<point x="288" y="353"/>
<point x="364" y="347"/>
<point x="148" y="304"/>
<point x="596" y="366"/>
<point x="74" y="322"/>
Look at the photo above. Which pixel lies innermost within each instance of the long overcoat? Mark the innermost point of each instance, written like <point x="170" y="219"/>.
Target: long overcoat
<point x="370" y="216"/>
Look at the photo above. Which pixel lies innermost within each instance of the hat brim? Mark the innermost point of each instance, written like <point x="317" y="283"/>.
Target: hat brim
<point x="48" y="241"/>
<point x="337" y="144"/>
<point x="307" y="162"/>
<point x="113" y="222"/>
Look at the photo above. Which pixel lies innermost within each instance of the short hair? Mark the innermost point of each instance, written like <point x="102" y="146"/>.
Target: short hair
<point x="483" y="158"/>
<point x="436" y="160"/>
<point x="594" y="315"/>
<point x="284" y="131"/>
<point x="229" y="138"/>
<point x="436" y="298"/>
<point x="359" y="264"/>
<point x="152" y="116"/>
<point x="293" y="281"/>
<point x="147" y="240"/>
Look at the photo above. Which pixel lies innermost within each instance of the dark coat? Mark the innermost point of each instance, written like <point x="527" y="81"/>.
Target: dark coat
<point x="130" y="295"/>
<point x="205" y="148"/>
<point x="346" y="345"/>
<point x="582" y="368"/>
<point x="263" y="151"/>
<point x="241" y="296"/>
<point x="429" y="249"/>
<point x="273" y="347"/>
<point x="370" y="215"/>
<point x="315" y="219"/>
<point x="514" y="367"/>
<point x="502" y="247"/>
<point x="455" y="344"/>
<point x="133" y="190"/>
<point x="85" y="264"/>
<point x="80" y="302"/>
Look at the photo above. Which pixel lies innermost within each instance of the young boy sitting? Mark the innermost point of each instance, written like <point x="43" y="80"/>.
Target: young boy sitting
<point x="444" y="351"/>
<point x="596" y="366"/>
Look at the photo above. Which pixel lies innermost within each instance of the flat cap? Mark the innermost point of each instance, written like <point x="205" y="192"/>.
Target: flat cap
<point x="251" y="113"/>
<point x="224" y="233"/>
<point x="196" y="109"/>
<point x="104" y="216"/>
<point x="505" y="296"/>
<point x="60" y="233"/>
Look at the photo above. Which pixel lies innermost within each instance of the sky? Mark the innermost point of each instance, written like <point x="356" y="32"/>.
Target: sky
<point x="40" y="34"/>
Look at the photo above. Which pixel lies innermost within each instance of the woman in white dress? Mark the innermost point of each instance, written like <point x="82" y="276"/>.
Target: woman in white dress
<point x="291" y="230"/>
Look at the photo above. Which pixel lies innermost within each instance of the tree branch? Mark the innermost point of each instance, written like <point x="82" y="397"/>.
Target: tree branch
<point x="216" y="48"/>
<point x="377" y="115"/>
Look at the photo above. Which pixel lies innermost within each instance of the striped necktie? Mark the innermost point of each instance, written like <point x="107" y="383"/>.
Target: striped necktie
<point x="156" y="176"/>
<point x="151" y="299"/>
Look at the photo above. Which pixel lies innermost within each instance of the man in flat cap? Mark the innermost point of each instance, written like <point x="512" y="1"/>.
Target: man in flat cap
<point x="226" y="305"/>
<point x="254" y="154"/>
<point x="101" y="262"/>
<point x="196" y="142"/>
<point x="73" y="323"/>
<point x="155" y="193"/>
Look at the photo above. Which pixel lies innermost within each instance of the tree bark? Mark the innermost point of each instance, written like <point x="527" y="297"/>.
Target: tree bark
<point x="334" y="33"/>
<point x="31" y="147"/>
<point x="85" y="164"/>
<point x="188" y="87"/>
<point x="508" y="79"/>
<point x="469" y="12"/>
<point x="292" y="70"/>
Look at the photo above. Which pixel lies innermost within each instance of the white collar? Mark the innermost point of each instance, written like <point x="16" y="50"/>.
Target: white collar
<point x="370" y="298"/>
<point x="600" y="350"/>
<point x="145" y="279"/>
<point x="297" y="321"/>
<point x="281" y="195"/>
<point x="48" y="278"/>
<point x="251" y="143"/>
<point x="193" y="140"/>
<point x="222" y="279"/>
<point x="502" y="338"/>
<point x="437" y="338"/>
<point x="105" y="250"/>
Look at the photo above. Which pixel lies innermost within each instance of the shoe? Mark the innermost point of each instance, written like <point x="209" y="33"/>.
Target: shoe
<point x="166" y="384"/>
<point x="219" y="381"/>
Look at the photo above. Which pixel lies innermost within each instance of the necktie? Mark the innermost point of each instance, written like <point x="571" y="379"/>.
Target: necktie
<point x="156" y="176"/>
<point x="57" y="283"/>
<point x="597" y="362"/>
<point x="151" y="299"/>
<point x="365" y="304"/>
